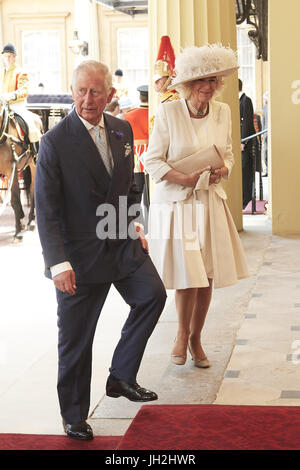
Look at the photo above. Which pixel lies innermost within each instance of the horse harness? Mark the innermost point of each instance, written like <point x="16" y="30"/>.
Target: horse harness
<point x="22" y="130"/>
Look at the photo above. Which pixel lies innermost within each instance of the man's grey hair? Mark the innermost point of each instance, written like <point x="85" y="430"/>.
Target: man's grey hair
<point x="94" y="66"/>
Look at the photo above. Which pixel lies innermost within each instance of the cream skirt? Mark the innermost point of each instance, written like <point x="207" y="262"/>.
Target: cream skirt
<point x="195" y="240"/>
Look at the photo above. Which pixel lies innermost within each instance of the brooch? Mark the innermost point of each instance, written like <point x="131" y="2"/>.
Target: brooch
<point x="128" y="149"/>
<point x="118" y="134"/>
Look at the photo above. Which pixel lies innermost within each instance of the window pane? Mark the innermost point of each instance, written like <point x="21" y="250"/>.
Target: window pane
<point x="246" y="57"/>
<point x="134" y="64"/>
<point x="41" y="59"/>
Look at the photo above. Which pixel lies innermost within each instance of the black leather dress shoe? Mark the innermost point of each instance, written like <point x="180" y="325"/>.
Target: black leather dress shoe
<point x="118" y="388"/>
<point x="81" y="431"/>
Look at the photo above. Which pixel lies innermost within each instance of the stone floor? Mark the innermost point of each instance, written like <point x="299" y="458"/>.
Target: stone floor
<point x="251" y="336"/>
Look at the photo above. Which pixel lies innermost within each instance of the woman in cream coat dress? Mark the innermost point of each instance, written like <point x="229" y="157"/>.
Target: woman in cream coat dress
<point x="193" y="241"/>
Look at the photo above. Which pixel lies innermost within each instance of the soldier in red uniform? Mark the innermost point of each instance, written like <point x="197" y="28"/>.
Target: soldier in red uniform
<point x="139" y="121"/>
<point x="163" y="73"/>
<point x="164" y="70"/>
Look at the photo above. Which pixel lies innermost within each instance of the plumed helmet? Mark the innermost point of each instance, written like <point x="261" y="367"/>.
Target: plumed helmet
<point x="165" y="61"/>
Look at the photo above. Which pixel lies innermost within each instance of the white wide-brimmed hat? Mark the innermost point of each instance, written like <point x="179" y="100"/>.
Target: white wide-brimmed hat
<point x="212" y="60"/>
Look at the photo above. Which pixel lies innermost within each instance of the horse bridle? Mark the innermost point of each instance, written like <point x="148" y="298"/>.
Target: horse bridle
<point x="7" y="115"/>
<point x="4" y="125"/>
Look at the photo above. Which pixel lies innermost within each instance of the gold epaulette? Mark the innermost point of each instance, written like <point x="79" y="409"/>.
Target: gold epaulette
<point x="151" y="124"/>
<point x="169" y="95"/>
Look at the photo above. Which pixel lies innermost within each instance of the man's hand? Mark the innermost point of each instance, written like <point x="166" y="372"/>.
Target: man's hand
<point x="66" y="282"/>
<point x="142" y="238"/>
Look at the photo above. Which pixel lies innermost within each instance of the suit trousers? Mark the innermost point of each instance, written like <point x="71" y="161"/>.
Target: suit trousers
<point x="78" y="314"/>
<point x="247" y="175"/>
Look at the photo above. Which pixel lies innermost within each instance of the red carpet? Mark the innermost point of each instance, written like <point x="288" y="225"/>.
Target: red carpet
<point x="46" y="442"/>
<point x="185" y="427"/>
<point x="213" y="427"/>
<point x="260" y="207"/>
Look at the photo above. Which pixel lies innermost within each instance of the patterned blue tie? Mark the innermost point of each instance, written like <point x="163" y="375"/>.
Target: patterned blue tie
<point x="101" y="145"/>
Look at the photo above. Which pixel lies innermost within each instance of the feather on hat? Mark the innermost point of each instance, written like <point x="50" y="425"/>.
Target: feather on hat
<point x="210" y="60"/>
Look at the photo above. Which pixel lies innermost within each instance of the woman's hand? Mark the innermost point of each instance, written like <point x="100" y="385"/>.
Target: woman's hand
<point x="216" y="175"/>
<point x="192" y="178"/>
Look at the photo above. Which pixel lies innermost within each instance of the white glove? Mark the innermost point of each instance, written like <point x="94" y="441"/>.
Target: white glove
<point x="9" y="96"/>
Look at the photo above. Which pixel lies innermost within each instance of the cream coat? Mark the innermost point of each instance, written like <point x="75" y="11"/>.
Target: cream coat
<point x="174" y="138"/>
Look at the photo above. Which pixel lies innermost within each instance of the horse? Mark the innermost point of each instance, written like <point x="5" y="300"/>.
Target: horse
<point x="16" y="155"/>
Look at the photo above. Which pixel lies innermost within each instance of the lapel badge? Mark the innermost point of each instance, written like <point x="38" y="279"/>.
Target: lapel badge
<point x="118" y="134"/>
<point x="128" y="149"/>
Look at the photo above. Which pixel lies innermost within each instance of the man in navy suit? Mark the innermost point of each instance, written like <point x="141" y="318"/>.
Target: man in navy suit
<point x="247" y="129"/>
<point x="84" y="180"/>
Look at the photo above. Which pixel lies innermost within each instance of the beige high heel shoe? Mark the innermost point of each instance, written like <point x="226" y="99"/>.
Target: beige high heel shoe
<point x="178" y="360"/>
<point x="198" y="362"/>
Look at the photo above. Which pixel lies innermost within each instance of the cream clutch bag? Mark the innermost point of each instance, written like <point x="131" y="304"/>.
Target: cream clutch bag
<point x="199" y="160"/>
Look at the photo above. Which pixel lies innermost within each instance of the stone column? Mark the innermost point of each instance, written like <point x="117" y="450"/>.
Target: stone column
<point x="195" y="22"/>
<point x="1" y="25"/>
<point x="94" y="52"/>
<point x="86" y="23"/>
<point x="284" y="116"/>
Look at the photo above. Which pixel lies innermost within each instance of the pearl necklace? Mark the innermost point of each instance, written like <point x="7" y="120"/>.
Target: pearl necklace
<point x="199" y="113"/>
